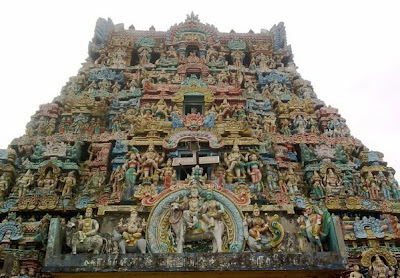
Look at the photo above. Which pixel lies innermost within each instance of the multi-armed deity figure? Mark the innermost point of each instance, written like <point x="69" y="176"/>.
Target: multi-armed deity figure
<point x="235" y="162"/>
<point x="150" y="162"/>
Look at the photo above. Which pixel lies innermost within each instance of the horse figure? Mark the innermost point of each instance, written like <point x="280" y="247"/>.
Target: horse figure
<point x="200" y="231"/>
<point x="89" y="244"/>
<point x="125" y="247"/>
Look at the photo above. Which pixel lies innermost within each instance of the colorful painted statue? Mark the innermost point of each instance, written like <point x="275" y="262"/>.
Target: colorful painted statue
<point x="315" y="225"/>
<point x="236" y="163"/>
<point x="128" y="234"/>
<point x="195" y="220"/>
<point x="356" y="272"/>
<point x="5" y="182"/>
<point x="317" y="185"/>
<point x="379" y="269"/>
<point x="211" y="210"/>
<point x="150" y="161"/>
<point x="168" y="174"/>
<point x="48" y="182"/>
<point x="254" y="168"/>
<point x="257" y="225"/>
<point x="117" y="180"/>
<point x="262" y="234"/>
<point x="69" y="183"/>
<point x="24" y="183"/>
<point x="131" y="167"/>
<point x="82" y="234"/>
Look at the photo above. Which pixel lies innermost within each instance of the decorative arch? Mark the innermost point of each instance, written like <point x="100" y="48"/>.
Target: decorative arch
<point x="367" y="256"/>
<point x="157" y="229"/>
<point x="213" y="140"/>
<point x="192" y="85"/>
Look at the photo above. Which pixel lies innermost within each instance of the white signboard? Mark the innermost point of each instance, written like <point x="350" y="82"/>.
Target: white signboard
<point x="208" y="159"/>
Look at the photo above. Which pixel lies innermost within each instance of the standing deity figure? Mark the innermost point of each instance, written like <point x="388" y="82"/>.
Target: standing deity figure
<point x="92" y="87"/>
<point x="291" y="180"/>
<point x="116" y="87"/>
<point x="69" y="183"/>
<point x="282" y="186"/>
<point x="172" y="55"/>
<point x="212" y="54"/>
<point x="383" y="184"/>
<point x="211" y="210"/>
<point x="150" y="161"/>
<point x="5" y="181"/>
<point x="131" y="167"/>
<point x="317" y="186"/>
<point x="235" y="162"/>
<point x="372" y="186"/>
<point x="105" y="85"/>
<point x="225" y="109"/>
<point x="237" y="57"/>
<point x="254" y="168"/>
<point x="144" y="55"/>
<point x="117" y="179"/>
<point x="257" y="226"/>
<point x="168" y="174"/>
<point x="394" y="185"/>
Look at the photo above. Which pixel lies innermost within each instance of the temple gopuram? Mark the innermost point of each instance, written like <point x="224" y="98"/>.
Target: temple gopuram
<point x="194" y="153"/>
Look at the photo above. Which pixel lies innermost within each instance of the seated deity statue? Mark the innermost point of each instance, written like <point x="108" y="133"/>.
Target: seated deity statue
<point x="191" y="208"/>
<point x="172" y="56"/>
<point x="379" y="269"/>
<point x="48" y="182"/>
<point x="256" y="224"/>
<point x="87" y="227"/>
<point x="192" y="58"/>
<point x="211" y="210"/>
<point x="132" y="227"/>
<point x="331" y="179"/>
<point x="193" y="120"/>
<point x="225" y="109"/>
<point x="161" y="109"/>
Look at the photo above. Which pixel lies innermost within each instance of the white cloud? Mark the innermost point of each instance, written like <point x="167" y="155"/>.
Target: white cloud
<point x="349" y="50"/>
